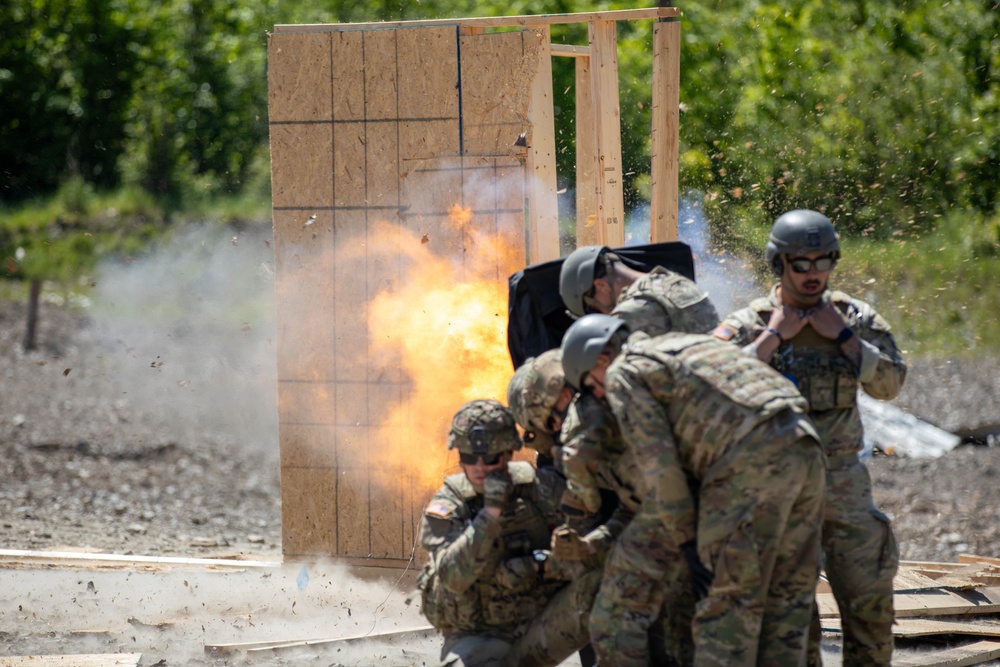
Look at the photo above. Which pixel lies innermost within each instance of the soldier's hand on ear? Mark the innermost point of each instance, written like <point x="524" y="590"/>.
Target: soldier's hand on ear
<point x="497" y="488"/>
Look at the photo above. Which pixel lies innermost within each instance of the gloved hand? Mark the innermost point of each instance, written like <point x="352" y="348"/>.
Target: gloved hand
<point x="568" y="545"/>
<point x="701" y="576"/>
<point x="497" y="489"/>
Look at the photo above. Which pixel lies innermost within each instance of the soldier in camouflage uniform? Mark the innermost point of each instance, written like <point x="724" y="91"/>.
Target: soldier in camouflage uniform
<point x="691" y="406"/>
<point x="490" y="586"/>
<point x="595" y="280"/>
<point x="829" y="344"/>
<point x="600" y="499"/>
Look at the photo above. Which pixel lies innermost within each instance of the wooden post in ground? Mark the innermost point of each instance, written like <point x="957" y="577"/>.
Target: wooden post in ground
<point x="664" y="197"/>
<point x="604" y="88"/>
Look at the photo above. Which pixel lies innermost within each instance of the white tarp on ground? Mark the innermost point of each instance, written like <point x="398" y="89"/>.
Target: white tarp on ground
<point x="899" y="433"/>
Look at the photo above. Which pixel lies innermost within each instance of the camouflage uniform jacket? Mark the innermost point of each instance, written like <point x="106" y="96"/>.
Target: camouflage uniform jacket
<point x="826" y="378"/>
<point x="707" y="396"/>
<point x="663" y="301"/>
<point x="485" y="573"/>
<point x="595" y="457"/>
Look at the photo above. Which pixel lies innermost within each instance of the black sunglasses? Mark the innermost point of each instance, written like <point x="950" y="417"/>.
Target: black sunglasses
<point x="802" y="264"/>
<point x="473" y="459"/>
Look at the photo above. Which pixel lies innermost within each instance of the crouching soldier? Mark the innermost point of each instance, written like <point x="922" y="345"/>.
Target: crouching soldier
<point x="490" y="586"/>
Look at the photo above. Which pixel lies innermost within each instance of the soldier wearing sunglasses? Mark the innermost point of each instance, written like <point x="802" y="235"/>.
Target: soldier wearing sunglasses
<point x="490" y="586"/>
<point x="830" y="345"/>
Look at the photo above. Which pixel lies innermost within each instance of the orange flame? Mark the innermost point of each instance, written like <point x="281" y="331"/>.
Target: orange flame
<point x="444" y="323"/>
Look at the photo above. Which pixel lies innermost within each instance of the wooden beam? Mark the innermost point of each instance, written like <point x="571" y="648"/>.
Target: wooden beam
<point x="66" y="558"/>
<point x="586" y="157"/>
<point x="665" y="137"/>
<point x="570" y="51"/>
<point x="604" y="80"/>
<point x="540" y="172"/>
<point x="492" y="21"/>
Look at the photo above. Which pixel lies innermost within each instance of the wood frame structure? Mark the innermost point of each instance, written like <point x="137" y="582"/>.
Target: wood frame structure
<point x="395" y="121"/>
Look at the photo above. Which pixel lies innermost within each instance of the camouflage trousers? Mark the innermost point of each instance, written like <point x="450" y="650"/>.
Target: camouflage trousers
<point x="558" y="632"/>
<point x="861" y="559"/>
<point x="643" y="610"/>
<point x="759" y="520"/>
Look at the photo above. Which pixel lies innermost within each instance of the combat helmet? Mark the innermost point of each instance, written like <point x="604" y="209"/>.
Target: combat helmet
<point x="532" y="393"/>
<point x="583" y="343"/>
<point x="483" y="427"/>
<point x="576" y="276"/>
<point x="799" y="232"/>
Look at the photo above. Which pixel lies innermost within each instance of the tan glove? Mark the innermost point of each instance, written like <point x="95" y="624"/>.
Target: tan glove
<point x="568" y="545"/>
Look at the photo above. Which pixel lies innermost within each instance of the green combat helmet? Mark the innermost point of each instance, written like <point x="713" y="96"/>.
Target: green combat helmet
<point x="483" y="428"/>
<point x="797" y="233"/>
<point x="576" y="276"/>
<point x="583" y="343"/>
<point x="532" y="393"/>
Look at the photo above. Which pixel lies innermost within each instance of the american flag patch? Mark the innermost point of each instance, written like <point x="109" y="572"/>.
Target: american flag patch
<point x="439" y="509"/>
<point x="724" y="332"/>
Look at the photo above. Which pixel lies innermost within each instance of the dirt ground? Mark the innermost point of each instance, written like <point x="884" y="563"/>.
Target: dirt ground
<point x="130" y="434"/>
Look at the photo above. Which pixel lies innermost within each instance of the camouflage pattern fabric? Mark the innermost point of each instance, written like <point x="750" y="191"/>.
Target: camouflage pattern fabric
<point x="663" y="301"/>
<point x="692" y="404"/>
<point x="625" y="627"/>
<point x="483" y="427"/>
<point x="533" y="392"/>
<point x="479" y="587"/>
<point x="861" y="555"/>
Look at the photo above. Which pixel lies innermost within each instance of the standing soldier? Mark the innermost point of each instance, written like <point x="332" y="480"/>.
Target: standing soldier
<point x="490" y="586"/>
<point x="595" y="280"/>
<point x="829" y="344"/>
<point x="691" y="406"/>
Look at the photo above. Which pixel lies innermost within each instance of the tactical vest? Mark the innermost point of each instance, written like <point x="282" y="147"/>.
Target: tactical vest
<point x="488" y="603"/>
<point x="719" y="393"/>
<point x="686" y="306"/>
<point x="824" y="376"/>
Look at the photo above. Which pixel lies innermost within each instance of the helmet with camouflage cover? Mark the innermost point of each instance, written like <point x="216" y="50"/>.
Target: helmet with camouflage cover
<point x="583" y="343"/>
<point x="797" y="233"/>
<point x="534" y="390"/>
<point x="483" y="427"/>
<point x="576" y="276"/>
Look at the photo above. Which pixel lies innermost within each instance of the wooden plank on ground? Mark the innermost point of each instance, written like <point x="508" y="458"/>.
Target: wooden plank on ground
<point x="928" y="603"/>
<point x="973" y="575"/>
<point x="923" y="627"/>
<point x="422" y="632"/>
<point x="972" y="654"/>
<point x="81" y="660"/>
<point x="972" y="558"/>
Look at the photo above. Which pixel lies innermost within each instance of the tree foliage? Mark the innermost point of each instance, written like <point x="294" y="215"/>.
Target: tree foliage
<point x="880" y="113"/>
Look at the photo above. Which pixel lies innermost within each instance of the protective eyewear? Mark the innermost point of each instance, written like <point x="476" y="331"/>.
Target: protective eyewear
<point x="822" y="264"/>
<point x="473" y="459"/>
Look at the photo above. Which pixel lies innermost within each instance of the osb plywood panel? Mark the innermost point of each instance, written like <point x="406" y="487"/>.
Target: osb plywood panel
<point x="298" y="67"/>
<point x="301" y="169"/>
<point x="367" y="137"/>
<point x="308" y="510"/>
<point x="495" y="68"/>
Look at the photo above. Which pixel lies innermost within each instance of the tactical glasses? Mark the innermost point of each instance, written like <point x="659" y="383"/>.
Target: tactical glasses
<point x="822" y="264"/>
<point x="473" y="459"/>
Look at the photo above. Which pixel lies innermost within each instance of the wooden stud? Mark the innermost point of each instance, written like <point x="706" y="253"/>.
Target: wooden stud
<point x="586" y="157"/>
<point x="540" y="170"/>
<point x="604" y="78"/>
<point x="666" y="130"/>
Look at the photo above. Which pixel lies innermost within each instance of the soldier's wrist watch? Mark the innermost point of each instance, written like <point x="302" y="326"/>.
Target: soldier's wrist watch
<point x="540" y="556"/>
<point x="846" y="334"/>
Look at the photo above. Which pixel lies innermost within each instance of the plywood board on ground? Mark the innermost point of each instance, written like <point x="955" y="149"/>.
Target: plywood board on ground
<point x="81" y="660"/>
<point x="973" y="654"/>
<point x="924" y="627"/>
<point x="928" y="603"/>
